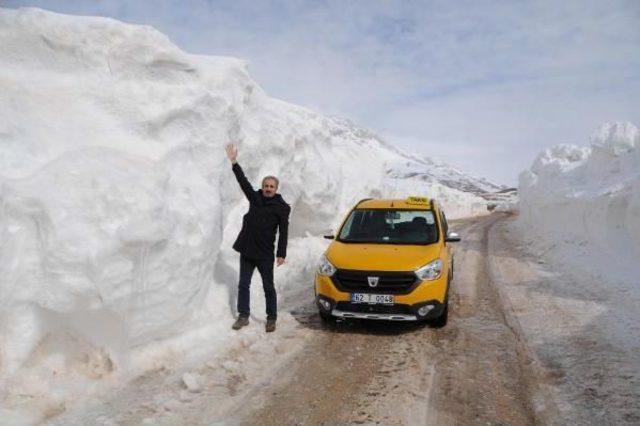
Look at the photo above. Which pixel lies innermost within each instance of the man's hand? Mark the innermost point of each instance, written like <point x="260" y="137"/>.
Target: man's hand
<point x="279" y="261"/>
<point x="232" y="153"/>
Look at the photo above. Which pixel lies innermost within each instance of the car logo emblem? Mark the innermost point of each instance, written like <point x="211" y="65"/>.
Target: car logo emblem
<point x="373" y="281"/>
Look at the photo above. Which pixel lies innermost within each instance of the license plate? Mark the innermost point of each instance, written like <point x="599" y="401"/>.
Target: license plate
<point x="372" y="299"/>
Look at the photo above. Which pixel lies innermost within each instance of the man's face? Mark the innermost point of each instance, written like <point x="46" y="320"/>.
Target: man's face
<point x="269" y="187"/>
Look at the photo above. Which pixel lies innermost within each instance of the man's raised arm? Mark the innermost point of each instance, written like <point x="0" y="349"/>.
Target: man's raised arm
<point x="232" y="154"/>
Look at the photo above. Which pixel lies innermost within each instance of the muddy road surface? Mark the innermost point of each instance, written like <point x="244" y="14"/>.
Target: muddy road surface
<point x="511" y="354"/>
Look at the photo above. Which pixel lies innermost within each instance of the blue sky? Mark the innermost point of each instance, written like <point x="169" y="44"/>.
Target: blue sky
<point x="483" y="85"/>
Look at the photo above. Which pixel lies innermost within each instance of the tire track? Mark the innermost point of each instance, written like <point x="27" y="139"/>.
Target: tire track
<point x="479" y="377"/>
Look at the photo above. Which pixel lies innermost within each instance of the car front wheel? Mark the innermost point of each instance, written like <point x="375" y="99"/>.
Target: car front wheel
<point x="326" y="317"/>
<point x="441" y="321"/>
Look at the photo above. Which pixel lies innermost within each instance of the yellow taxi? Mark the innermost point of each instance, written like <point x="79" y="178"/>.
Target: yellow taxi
<point x="390" y="260"/>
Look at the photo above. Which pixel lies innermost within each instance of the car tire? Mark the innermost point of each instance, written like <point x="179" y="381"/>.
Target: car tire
<point x="326" y="317"/>
<point x="441" y="321"/>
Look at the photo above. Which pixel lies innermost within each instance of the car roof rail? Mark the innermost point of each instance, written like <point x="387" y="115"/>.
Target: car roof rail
<point x="363" y="200"/>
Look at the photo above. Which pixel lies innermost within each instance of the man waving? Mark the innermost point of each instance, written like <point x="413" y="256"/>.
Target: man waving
<point x="267" y="214"/>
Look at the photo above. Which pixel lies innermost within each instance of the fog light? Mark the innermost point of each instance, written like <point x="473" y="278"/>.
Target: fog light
<point x="325" y="305"/>
<point x="424" y="310"/>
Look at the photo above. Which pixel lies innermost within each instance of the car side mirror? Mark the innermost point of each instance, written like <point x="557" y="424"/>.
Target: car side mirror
<point x="329" y="237"/>
<point x="452" y="237"/>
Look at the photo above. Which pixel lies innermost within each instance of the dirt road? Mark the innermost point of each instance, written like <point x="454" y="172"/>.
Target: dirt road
<point x="469" y="372"/>
<point x="512" y="353"/>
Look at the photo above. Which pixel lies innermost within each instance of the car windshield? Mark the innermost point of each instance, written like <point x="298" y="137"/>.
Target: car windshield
<point x="390" y="227"/>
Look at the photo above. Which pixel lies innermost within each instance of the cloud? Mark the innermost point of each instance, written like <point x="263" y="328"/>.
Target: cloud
<point x="482" y="84"/>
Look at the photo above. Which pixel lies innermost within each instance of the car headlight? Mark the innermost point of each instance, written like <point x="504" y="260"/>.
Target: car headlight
<point x="325" y="267"/>
<point x="430" y="271"/>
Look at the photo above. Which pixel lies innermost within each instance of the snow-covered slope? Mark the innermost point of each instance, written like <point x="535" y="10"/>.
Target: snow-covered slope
<point x="580" y="215"/>
<point x="584" y="203"/>
<point x="118" y="207"/>
<point x="429" y="170"/>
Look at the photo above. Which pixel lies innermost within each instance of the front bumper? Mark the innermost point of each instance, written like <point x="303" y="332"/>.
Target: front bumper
<point x="406" y="307"/>
<point x="398" y="312"/>
<point x="386" y="317"/>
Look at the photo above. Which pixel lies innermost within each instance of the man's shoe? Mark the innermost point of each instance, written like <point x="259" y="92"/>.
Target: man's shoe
<point x="240" y="322"/>
<point x="271" y="325"/>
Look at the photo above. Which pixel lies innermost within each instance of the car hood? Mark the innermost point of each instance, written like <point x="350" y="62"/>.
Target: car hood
<point x="381" y="257"/>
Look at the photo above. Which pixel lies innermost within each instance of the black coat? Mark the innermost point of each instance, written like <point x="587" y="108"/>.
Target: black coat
<point x="259" y="224"/>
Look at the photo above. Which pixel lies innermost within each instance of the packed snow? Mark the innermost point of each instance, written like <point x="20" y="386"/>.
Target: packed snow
<point x="583" y="203"/>
<point x="118" y="207"/>
<point x="568" y="270"/>
<point x="580" y="212"/>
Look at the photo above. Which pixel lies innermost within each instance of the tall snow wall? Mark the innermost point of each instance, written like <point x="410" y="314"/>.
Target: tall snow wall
<point x="588" y="197"/>
<point x="117" y="205"/>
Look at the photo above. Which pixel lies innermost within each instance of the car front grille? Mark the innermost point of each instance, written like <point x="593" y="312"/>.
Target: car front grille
<point x="378" y="309"/>
<point x="388" y="282"/>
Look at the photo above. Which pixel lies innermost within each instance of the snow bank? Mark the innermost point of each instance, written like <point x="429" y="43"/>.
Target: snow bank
<point x="118" y="207"/>
<point x="587" y="199"/>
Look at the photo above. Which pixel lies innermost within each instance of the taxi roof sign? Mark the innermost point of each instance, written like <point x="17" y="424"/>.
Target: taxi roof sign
<point x="424" y="201"/>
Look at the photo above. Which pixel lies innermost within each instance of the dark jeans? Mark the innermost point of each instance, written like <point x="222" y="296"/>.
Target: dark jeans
<point x="265" y="267"/>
